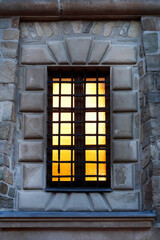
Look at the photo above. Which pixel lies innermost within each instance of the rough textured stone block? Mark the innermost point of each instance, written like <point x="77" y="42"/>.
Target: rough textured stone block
<point x="57" y="203"/>
<point x="125" y="151"/>
<point x="97" y="28"/>
<point x="150" y="41"/>
<point x="122" y="126"/>
<point x="7" y="72"/>
<point x="31" y="151"/>
<point x="134" y="29"/>
<point x="11" y="192"/>
<point x="151" y="23"/>
<point x="33" y="200"/>
<point x="122" y="78"/>
<point x="5" y="129"/>
<point x="58" y="50"/>
<point x="78" y="49"/>
<point x="10" y="34"/>
<point x="3" y="188"/>
<point x="8" y="176"/>
<point x="31" y="102"/>
<point x="7" y="92"/>
<point x="123" y="176"/>
<point x="33" y="126"/>
<point x="98" y="51"/>
<point x="153" y="97"/>
<point x="153" y="62"/>
<point x="78" y="202"/>
<point x="33" y="176"/>
<point x="124" y="101"/>
<point x="99" y="203"/>
<point x="7" y="112"/>
<point x="119" y="201"/>
<point x="34" y="78"/>
<point x="6" y="202"/>
<point x="120" y="54"/>
<point x="9" y="49"/>
<point x="36" y="55"/>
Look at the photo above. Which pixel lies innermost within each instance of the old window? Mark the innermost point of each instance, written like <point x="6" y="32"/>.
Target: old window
<point x="78" y="148"/>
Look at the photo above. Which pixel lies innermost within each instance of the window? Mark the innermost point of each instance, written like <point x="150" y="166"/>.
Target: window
<point x="78" y="148"/>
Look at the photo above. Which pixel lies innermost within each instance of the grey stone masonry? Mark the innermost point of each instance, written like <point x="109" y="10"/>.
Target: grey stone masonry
<point x="91" y="45"/>
<point x="8" y="78"/>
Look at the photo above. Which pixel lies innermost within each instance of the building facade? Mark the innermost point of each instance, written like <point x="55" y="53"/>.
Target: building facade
<point x="40" y="39"/>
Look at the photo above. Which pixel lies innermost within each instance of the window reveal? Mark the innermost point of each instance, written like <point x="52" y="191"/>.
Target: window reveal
<point x="78" y="130"/>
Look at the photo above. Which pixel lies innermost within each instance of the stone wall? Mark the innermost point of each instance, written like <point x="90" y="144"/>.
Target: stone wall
<point x="9" y="37"/>
<point x="114" y="44"/>
<point x="150" y="115"/>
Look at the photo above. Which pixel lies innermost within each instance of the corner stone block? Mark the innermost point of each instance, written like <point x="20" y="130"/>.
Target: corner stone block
<point x="124" y="101"/>
<point x="58" y="50"/>
<point x="153" y="63"/>
<point x="33" y="176"/>
<point x="36" y="55"/>
<point x="99" y="203"/>
<point x="9" y="49"/>
<point x="33" y="200"/>
<point x="78" y="202"/>
<point x="123" y="176"/>
<point x="122" y="78"/>
<point x="78" y="49"/>
<point x="123" y="200"/>
<point x="125" y="151"/>
<point x="98" y="51"/>
<point x="122" y="126"/>
<point x="33" y="126"/>
<point x="31" y="151"/>
<point x="34" y="78"/>
<point x="57" y="203"/>
<point x="120" y="54"/>
<point x="31" y="102"/>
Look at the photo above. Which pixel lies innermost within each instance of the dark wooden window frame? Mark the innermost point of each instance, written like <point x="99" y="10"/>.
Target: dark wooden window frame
<point x="79" y="185"/>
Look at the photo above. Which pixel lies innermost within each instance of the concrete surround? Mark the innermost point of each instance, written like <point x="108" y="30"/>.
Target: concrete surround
<point x="41" y="46"/>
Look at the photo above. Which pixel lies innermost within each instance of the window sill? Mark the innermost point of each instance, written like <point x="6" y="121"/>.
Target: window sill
<point x="72" y="220"/>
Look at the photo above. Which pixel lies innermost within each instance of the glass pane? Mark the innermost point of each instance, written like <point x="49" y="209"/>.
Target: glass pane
<point x="90" y="102"/>
<point x="90" y="79"/>
<point x="101" y="140"/>
<point x="65" y="102"/>
<point x="65" y="140"/>
<point x="91" y="169"/>
<point x="102" y="116"/>
<point x="90" y="128"/>
<point x="101" y="79"/>
<point x="66" y="79"/>
<point x="54" y="155"/>
<point x="55" y="140"/>
<point x="55" y="117"/>
<point x="90" y="140"/>
<point x="65" y="128"/>
<point x="65" y="155"/>
<point x="65" y="116"/>
<point x="55" y="79"/>
<point x="90" y="116"/>
<point x="102" y="171"/>
<point x="91" y="88"/>
<point x="101" y="88"/>
<point x="101" y="128"/>
<point x="64" y="170"/>
<point x="91" y="155"/>
<point x="101" y="101"/>
<point x="55" y="101"/>
<point x="102" y="155"/>
<point x="55" y="128"/>
<point x="66" y="88"/>
<point x="55" y="88"/>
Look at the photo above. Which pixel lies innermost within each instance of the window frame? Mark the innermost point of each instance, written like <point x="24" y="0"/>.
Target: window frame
<point x="106" y="186"/>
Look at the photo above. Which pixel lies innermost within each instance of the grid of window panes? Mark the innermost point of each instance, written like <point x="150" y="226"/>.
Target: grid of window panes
<point x="78" y="130"/>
